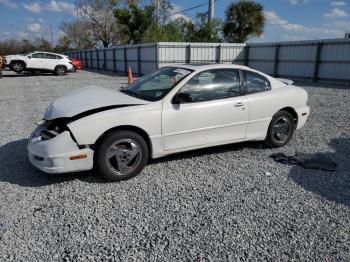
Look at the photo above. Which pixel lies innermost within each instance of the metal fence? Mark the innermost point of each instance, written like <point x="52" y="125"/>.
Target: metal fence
<point x="316" y="60"/>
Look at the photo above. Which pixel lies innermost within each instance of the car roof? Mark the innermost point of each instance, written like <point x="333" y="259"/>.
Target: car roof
<point x="209" y="66"/>
<point x="46" y="53"/>
<point x="202" y="67"/>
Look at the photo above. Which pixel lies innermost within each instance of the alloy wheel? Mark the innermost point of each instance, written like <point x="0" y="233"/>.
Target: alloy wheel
<point x="123" y="156"/>
<point x="61" y="71"/>
<point x="281" y="129"/>
<point x="17" y="67"/>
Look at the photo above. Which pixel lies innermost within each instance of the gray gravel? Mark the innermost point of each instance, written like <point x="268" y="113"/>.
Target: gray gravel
<point x="224" y="203"/>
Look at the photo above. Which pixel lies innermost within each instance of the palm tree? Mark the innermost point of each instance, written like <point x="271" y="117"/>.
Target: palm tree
<point x="243" y="19"/>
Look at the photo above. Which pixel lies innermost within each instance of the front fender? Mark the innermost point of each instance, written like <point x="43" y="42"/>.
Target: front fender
<point x="87" y="130"/>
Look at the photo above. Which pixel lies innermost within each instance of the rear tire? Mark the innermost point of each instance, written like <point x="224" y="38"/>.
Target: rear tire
<point x="60" y="70"/>
<point x="18" y="66"/>
<point x="121" y="155"/>
<point x="281" y="129"/>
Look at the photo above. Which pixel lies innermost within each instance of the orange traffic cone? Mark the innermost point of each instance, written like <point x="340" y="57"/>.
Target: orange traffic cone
<point x="130" y="78"/>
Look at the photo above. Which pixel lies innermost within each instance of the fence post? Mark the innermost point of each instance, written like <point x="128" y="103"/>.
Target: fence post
<point x="85" y="59"/>
<point x="157" y="55"/>
<point x="125" y="61"/>
<point x="188" y="54"/>
<point x="91" y="62"/>
<point x="317" y="60"/>
<point x="218" y="54"/>
<point x="246" y="55"/>
<point x="139" y="60"/>
<point x="104" y="59"/>
<point x="276" y="60"/>
<point x="98" y="58"/>
<point x="114" y="62"/>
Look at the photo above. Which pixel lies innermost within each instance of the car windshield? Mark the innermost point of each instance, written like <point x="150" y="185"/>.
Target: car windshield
<point x="155" y="86"/>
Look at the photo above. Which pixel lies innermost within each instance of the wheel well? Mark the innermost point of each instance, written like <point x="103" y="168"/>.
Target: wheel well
<point x="135" y="129"/>
<point x="18" y="61"/>
<point x="291" y="111"/>
<point x="62" y="66"/>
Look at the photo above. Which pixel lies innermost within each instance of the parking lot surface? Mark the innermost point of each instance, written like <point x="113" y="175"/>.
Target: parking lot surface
<point x="223" y="203"/>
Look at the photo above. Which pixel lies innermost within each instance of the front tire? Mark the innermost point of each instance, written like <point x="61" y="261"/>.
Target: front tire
<point x="60" y="70"/>
<point x="281" y="129"/>
<point x="18" y="67"/>
<point x="122" y="155"/>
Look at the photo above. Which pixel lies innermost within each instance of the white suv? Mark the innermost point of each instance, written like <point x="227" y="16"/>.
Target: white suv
<point x="39" y="61"/>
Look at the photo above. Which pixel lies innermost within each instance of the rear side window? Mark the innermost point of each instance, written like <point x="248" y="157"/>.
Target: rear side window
<point x="256" y="83"/>
<point x="50" y="56"/>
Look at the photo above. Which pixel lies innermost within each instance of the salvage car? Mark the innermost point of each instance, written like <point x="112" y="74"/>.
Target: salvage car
<point x="39" y="62"/>
<point x="177" y="108"/>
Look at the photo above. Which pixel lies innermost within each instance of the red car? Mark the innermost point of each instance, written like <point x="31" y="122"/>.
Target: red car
<point x="77" y="64"/>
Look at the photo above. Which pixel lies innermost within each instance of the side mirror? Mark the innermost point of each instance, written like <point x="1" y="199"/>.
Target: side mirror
<point x="182" y="98"/>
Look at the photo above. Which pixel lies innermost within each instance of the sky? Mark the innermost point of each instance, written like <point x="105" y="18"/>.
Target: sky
<point x="286" y="20"/>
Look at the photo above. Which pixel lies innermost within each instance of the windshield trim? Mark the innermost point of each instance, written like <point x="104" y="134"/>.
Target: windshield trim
<point x="133" y="94"/>
<point x="130" y="93"/>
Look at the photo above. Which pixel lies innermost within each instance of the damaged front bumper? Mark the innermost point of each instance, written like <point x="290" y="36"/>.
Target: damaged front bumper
<point x="58" y="153"/>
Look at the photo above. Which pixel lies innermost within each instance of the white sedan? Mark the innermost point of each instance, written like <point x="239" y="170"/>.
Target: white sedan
<point x="176" y="109"/>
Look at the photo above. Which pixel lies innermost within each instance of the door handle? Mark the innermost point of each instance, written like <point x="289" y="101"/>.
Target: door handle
<point x="238" y="104"/>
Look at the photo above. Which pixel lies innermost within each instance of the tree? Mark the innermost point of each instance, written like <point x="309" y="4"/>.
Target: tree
<point x="177" y="30"/>
<point x="243" y="20"/>
<point x="43" y="45"/>
<point x="205" y="31"/>
<point x="12" y="46"/>
<point x="165" y="9"/>
<point x="63" y="45"/>
<point x="134" y="21"/>
<point x="139" y="22"/>
<point x="26" y="46"/>
<point x="77" y="35"/>
<point x="99" y="16"/>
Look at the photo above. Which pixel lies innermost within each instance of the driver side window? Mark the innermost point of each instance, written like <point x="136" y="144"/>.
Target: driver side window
<point x="213" y="84"/>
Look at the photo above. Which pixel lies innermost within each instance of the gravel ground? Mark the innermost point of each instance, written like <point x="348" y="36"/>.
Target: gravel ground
<point x="224" y="203"/>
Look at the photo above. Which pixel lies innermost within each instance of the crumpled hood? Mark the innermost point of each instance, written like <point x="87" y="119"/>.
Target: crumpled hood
<point x="87" y="99"/>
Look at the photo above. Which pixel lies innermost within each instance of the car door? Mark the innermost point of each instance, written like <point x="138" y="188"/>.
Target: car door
<point x="50" y="61"/>
<point x="216" y="112"/>
<point x="36" y="61"/>
<point x="261" y="103"/>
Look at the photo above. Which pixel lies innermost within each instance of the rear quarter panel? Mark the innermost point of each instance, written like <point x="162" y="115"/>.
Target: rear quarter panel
<point x="265" y="104"/>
